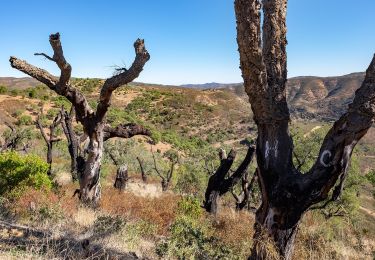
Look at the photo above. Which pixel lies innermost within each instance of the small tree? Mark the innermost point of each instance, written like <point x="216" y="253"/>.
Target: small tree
<point x="50" y="139"/>
<point x="166" y="176"/>
<point x="93" y="122"/>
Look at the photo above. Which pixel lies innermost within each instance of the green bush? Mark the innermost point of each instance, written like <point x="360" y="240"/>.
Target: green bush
<point x="17" y="113"/>
<point x="3" y="89"/>
<point x="18" y="172"/>
<point x="25" y="120"/>
<point x="191" y="236"/>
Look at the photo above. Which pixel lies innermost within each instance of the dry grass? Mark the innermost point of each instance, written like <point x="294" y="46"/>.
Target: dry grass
<point x="160" y="211"/>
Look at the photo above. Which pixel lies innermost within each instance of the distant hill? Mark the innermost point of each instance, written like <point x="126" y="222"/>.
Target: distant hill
<point x="19" y="83"/>
<point x="309" y="97"/>
<point x="211" y="85"/>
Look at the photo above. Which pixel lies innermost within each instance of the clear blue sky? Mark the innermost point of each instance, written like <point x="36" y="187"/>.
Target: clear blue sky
<point x="190" y="41"/>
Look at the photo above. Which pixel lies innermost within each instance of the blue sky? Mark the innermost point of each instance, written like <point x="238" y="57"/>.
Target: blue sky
<point x="190" y="41"/>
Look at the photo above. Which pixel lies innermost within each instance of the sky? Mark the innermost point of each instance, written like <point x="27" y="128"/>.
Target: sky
<point x="190" y="41"/>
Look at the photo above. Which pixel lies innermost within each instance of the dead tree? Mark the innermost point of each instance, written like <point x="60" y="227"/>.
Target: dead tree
<point x="13" y="140"/>
<point x="93" y="122"/>
<point x="50" y="139"/>
<point x="76" y="168"/>
<point x="121" y="175"/>
<point x="166" y="176"/>
<point x="219" y="183"/>
<point x="143" y="173"/>
<point x="287" y="193"/>
<point x="247" y="191"/>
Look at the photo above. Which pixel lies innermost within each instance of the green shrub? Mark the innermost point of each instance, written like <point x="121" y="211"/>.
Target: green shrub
<point x="62" y="101"/>
<point x="25" y="120"/>
<point x="18" y="172"/>
<point x="3" y="89"/>
<point x="190" y="207"/>
<point x="191" y="236"/>
<point x="108" y="224"/>
<point x="18" y="113"/>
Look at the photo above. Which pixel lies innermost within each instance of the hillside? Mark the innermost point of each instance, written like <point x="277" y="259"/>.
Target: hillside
<point x="194" y="122"/>
<point x="319" y="98"/>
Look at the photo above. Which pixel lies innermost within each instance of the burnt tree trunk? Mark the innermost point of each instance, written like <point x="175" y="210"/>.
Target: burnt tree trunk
<point x="93" y="122"/>
<point x="49" y="140"/>
<point x="67" y="125"/>
<point x="121" y="177"/>
<point x="218" y="184"/>
<point x="286" y="192"/>
<point x="143" y="173"/>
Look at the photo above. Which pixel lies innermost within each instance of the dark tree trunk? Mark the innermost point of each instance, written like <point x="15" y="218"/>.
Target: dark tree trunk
<point x="143" y="173"/>
<point x="121" y="177"/>
<point x="286" y="192"/>
<point x="218" y="184"/>
<point x="71" y="137"/>
<point x="93" y="121"/>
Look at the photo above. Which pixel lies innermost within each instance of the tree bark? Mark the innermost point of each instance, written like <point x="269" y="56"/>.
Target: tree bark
<point x="286" y="192"/>
<point x="93" y="122"/>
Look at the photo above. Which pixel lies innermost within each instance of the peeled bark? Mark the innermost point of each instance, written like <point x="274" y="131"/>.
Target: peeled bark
<point x="93" y="122"/>
<point x="286" y="192"/>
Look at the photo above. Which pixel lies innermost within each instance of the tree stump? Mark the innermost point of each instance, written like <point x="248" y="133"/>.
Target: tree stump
<point x="121" y="177"/>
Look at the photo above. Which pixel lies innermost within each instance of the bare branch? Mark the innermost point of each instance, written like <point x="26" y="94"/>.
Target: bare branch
<point x="40" y="126"/>
<point x="39" y="74"/>
<point x="127" y="76"/>
<point x="112" y="156"/>
<point x="58" y="57"/>
<point x="125" y="131"/>
<point x="238" y="174"/>
<point x="45" y="56"/>
<point x="156" y="167"/>
<point x="60" y="86"/>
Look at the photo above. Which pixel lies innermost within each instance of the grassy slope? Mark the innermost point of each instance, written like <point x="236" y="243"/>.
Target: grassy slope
<point x="184" y="118"/>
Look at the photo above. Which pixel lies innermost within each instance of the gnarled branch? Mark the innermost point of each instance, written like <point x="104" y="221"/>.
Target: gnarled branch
<point x="125" y="131"/>
<point x="127" y="76"/>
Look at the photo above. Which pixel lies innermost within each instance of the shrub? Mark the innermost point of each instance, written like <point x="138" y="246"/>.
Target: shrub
<point x="18" y="172"/>
<point x="25" y="120"/>
<point x="17" y="113"/>
<point x="191" y="236"/>
<point x="3" y="89"/>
